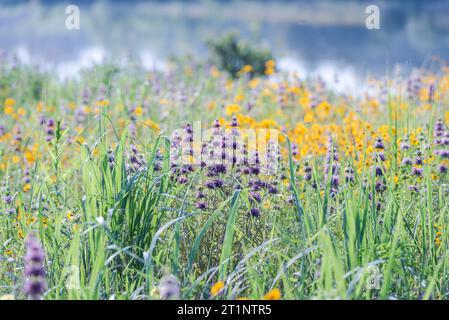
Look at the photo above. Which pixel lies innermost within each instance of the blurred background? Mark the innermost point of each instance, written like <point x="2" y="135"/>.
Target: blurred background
<point x="311" y="37"/>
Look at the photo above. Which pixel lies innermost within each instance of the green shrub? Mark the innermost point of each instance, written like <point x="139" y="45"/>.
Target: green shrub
<point x="231" y="55"/>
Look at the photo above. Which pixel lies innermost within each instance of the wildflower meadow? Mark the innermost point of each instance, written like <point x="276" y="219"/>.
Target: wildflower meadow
<point x="231" y="170"/>
<point x="106" y="194"/>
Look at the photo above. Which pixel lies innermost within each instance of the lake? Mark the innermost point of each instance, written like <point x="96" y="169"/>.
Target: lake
<point x="326" y="38"/>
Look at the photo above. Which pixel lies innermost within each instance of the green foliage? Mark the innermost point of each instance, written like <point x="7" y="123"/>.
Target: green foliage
<point x="23" y="81"/>
<point x="231" y="54"/>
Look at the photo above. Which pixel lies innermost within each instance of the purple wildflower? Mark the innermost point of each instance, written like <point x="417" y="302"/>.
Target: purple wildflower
<point x="34" y="272"/>
<point x="407" y="161"/>
<point x="442" y="168"/>
<point x="379" y="144"/>
<point x="417" y="171"/>
<point x="380" y="187"/>
<point x="255" y="197"/>
<point x="378" y="171"/>
<point x="201" y="205"/>
<point x="255" y="212"/>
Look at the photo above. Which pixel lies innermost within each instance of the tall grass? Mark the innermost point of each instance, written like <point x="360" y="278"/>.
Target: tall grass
<point x="113" y="233"/>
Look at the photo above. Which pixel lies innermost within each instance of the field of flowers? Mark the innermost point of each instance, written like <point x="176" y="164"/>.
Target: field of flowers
<point x="95" y="204"/>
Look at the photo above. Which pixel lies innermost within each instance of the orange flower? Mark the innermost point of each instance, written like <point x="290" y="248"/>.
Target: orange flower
<point x="274" y="294"/>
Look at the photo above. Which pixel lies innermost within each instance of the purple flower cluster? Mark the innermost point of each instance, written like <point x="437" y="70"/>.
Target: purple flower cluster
<point x="349" y="175"/>
<point x="379" y="144"/>
<point x="34" y="271"/>
<point x="414" y="86"/>
<point x="136" y="160"/>
<point x="405" y="145"/>
<point x="50" y="130"/>
<point x="225" y="154"/>
<point x="7" y="199"/>
<point x="307" y="172"/>
<point x="157" y="162"/>
<point x="332" y="167"/>
<point x="406" y="161"/>
<point x="431" y="97"/>
<point x="18" y="137"/>
<point x="379" y="158"/>
<point x="417" y="171"/>
<point x="441" y="139"/>
<point x="441" y="136"/>
<point x="169" y="287"/>
<point x="111" y="159"/>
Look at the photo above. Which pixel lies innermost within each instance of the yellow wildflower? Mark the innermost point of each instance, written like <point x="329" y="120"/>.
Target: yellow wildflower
<point x="153" y="125"/>
<point x="138" y="111"/>
<point x="246" y="69"/>
<point x="232" y="109"/>
<point x="216" y="288"/>
<point x="274" y="294"/>
<point x="308" y="118"/>
<point x="102" y="103"/>
<point x="26" y="187"/>
<point x="70" y="215"/>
